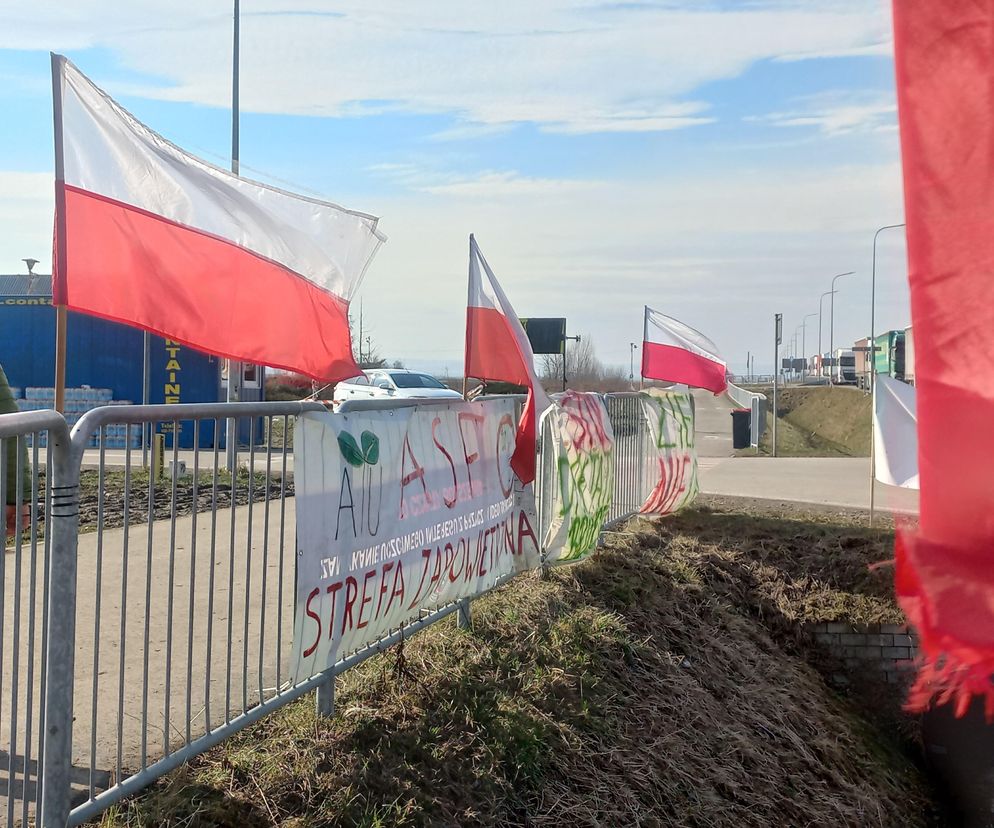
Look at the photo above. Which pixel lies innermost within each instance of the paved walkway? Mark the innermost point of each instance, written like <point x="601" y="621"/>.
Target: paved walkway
<point x="154" y="653"/>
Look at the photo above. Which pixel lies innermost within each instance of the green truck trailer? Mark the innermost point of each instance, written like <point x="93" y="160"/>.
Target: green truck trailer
<point x="888" y="357"/>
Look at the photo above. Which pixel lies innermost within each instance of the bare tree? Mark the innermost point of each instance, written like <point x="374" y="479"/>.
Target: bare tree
<point x="583" y="368"/>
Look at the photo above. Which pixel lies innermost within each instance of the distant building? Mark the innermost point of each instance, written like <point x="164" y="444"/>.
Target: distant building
<point x="101" y="354"/>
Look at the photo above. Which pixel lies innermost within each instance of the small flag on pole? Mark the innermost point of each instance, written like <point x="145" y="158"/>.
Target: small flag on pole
<point x="497" y="349"/>
<point x="151" y="236"/>
<point x="674" y="352"/>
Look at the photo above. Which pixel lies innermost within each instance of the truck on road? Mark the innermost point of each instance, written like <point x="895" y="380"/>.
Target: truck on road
<point x="844" y="367"/>
<point x="889" y="355"/>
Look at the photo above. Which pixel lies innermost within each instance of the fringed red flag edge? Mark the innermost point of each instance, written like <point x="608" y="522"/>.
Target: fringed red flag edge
<point x="950" y="668"/>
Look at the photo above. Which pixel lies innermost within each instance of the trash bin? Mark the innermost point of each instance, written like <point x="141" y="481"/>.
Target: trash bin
<point x="741" y="428"/>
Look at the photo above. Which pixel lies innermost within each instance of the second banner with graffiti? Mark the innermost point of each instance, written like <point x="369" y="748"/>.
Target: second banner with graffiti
<point x="401" y="511"/>
<point x="673" y="472"/>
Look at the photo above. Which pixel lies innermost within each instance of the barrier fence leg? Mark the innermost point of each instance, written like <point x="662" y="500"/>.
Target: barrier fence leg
<point x="55" y="773"/>
<point x="464" y="617"/>
<point x="325" y="701"/>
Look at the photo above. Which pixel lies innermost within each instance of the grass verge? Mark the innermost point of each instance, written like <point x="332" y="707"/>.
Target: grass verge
<point x="666" y="681"/>
<point x="819" y="421"/>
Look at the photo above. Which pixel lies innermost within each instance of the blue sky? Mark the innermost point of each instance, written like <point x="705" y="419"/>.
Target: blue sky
<point x="718" y="161"/>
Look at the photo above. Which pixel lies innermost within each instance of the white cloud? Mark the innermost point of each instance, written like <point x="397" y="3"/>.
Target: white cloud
<point x="723" y="251"/>
<point x="485" y="184"/>
<point x="26" y="219"/>
<point x="469" y="132"/>
<point x="839" y="113"/>
<point x="568" y="65"/>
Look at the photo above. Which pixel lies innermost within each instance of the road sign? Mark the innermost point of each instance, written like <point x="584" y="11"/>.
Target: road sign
<point x="779" y="318"/>
<point x="546" y="335"/>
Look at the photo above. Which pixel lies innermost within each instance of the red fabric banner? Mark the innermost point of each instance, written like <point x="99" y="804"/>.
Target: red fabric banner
<point x="945" y="85"/>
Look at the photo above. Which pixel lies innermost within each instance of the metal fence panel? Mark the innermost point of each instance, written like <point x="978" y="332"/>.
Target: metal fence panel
<point x="631" y="465"/>
<point x="182" y="631"/>
<point x="185" y="582"/>
<point x="25" y="569"/>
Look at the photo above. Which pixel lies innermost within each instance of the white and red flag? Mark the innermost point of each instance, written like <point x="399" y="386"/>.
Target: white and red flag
<point x="151" y="236"/>
<point x="674" y="352"/>
<point x="497" y="349"/>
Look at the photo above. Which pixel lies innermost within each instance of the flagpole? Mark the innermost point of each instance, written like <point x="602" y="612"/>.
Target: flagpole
<point x="61" y="319"/>
<point x="59" y="263"/>
<point x="234" y="368"/>
<point x="146" y="397"/>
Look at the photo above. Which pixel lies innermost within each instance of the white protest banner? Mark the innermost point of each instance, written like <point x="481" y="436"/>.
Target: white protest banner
<point x="670" y="415"/>
<point x="401" y="511"/>
<point x="580" y="496"/>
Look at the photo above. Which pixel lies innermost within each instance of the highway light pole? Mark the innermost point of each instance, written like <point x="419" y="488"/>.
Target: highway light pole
<point x="873" y="304"/>
<point x="873" y="358"/>
<point x="804" y="348"/>
<point x="777" y="337"/>
<point x="831" y="325"/>
<point x="821" y="307"/>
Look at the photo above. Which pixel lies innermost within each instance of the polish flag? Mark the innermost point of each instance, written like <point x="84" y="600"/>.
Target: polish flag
<point x="674" y="352"/>
<point x="945" y="570"/>
<point x="150" y="236"/>
<point x="497" y="349"/>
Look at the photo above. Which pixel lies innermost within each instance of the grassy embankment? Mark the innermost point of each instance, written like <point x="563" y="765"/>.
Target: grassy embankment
<point x="667" y="681"/>
<point x="819" y="422"/>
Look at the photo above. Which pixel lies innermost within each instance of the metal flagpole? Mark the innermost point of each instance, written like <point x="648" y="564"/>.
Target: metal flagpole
<point x="59" y="263"/>
<point x="146" y="372"/>
<point x="61" y="319"/>
<point x="234" y="368"/>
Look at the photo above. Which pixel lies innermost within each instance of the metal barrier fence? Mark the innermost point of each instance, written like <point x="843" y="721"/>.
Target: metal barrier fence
<point x="28" y="497"/>
<point x="169" y="593"/>
<point x="757" y="404"/>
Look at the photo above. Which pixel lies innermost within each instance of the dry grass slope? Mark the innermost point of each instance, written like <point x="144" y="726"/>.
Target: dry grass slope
<point x="663" y="682"/>
<point x="820" y="422"/>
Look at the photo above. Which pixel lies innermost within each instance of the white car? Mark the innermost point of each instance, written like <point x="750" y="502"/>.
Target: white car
<point x="392" y="383"/>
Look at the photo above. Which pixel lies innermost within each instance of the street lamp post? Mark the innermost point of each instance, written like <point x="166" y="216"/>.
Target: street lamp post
<point x="831" y="325"/>
<point x="873" y="357"/>
<point x="821" y="308"/>
<point x="804" y="348"/>
<point x="873" y="302"/>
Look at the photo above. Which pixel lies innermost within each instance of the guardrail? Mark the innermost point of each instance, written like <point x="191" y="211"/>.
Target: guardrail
<point x="144" y="622"/>
<point x="757" y="404"/>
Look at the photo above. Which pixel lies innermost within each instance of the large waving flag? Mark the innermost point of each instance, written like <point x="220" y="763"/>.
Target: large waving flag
<point x="148" y="235"/>
<point x="674" y="352"/>
<point x="497" y="349"/>
<point x="945" y="572"/>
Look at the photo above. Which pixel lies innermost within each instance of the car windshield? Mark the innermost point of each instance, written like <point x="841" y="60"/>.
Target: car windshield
<point x="415" y="381"/>
<point x="848" y="361"/>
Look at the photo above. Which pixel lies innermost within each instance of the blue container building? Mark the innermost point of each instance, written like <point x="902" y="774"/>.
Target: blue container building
<point x="102" y="355"/>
